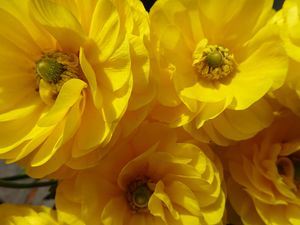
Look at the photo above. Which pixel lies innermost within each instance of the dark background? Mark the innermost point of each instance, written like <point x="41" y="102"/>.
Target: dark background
<point x="148" y="3"/>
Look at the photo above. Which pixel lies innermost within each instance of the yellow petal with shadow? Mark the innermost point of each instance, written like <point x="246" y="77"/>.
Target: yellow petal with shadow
<point x="114" y="212"/>
<point x="90" y="75"/>
<point x="207" y="92"/>
<point x="59" y="22"/>
<point x="105" y="29"/>
<point x="188" y="201"/>
<point x="160" y="194"/>
<point x="15" y="132"/>
<point x="116" y="72"/>
<point x="14" y="31"/>
<point x="98" y="130"/>
<point x="263" y="71"/>
<point x="55" y="162"/>
<point x="50" y="146"/>
<point x="70" y="92"/>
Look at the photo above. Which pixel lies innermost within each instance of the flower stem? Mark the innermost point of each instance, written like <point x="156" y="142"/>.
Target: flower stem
<point x="15" y="177"/>
<point x="9" y="184"/>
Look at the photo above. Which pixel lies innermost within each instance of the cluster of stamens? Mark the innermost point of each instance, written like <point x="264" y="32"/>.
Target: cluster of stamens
<point x="56" y="68"/>
<point x="213" y="62"/>
<point x="138" y="194"/>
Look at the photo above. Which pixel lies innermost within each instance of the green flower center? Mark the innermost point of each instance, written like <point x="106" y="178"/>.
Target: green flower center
<point x="56" y="66"/>
<point x="49" y="69"/>
<point x="141" y="196"/>
<point x="139" y="193"/>
<point x="52" y="71"/>
<point x="214" y="59"/>
<point x="212" y="62"/>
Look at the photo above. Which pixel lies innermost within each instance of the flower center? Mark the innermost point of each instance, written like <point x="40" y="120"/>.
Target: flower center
<point x="139" y="193"/>
<point x="212" y="62"/>
<point x="49" y="69"/>
<point x="52" y="71"/>
<point x="289" y="169"/>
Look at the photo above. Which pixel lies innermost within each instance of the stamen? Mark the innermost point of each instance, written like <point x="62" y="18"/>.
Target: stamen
<point x="52" y="71"/>
<point x="213" y="62"/>
<point x="139" y="193"/>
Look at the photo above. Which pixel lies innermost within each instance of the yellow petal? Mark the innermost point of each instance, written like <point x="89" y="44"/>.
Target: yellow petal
<point x="68" y="95"/>
<point x="60" y="23"/>
<point x="116" y="70"/>
<point x="115" y="104"/>
<point x="56" y="161"/>
<point x="91" y="78"/>
<point x="49" y="147"/>
<point x="209" y="111"/>
<point x="159" y="193"/>
<point x="28" y="106"/>
<point x="105" y="28"/>
<point x="114" y="212"/>
<point x="186" y="199"/>
<point x="206" y="92"/>
<point x="264" y="70"/>
<point x="13" y="31"/>
<point x="98" y="130"/>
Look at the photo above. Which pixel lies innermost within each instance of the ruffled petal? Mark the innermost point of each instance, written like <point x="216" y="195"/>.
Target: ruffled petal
<point x="60" y="23"/>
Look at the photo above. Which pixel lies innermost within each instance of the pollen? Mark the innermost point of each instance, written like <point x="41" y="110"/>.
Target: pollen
<point x="138" y="194"/>
<point x="213" y="62"/>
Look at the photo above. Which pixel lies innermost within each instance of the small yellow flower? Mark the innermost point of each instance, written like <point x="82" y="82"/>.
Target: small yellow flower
<point x="148" y="179"/>
<point x="265" y="171"/>
<point x="69" y="72"/>
<point x="216" y="57"/>
<point x="29" y="215"/>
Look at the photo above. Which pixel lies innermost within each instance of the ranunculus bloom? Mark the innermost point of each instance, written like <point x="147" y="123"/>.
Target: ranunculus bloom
<point x="217" y="60"/>
<point x="69" y="72"/>
<point x="34" y="215"/>
<point x="265" y="183"/>
<point x="148" y="179"/>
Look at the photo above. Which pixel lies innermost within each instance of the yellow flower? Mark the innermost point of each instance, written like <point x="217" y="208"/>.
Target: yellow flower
<point x="265" y="183"/>
<point x="216" y="57"/>
<point x="30" y="215"/>
<point x="288" y="21"/>
<point x="69" y="71"/>
<point x="148" y="179"/>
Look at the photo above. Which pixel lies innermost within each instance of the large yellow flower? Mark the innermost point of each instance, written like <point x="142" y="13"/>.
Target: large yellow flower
<point x="148" y="179"/>
<point x="34" y="215"/>
<point x="69" y="71"/>
<point x="214" y="57"/>
<point x="265" y="183"/>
